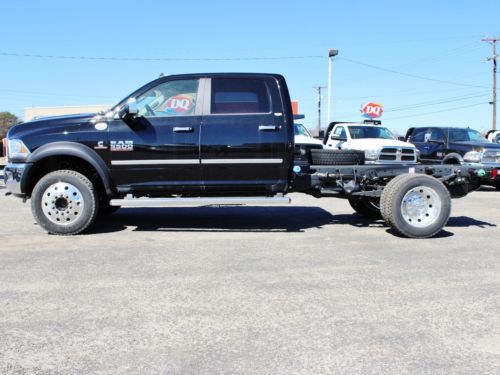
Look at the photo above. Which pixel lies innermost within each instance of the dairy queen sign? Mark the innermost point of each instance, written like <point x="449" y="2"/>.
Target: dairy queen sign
<point x="372" y="110"/>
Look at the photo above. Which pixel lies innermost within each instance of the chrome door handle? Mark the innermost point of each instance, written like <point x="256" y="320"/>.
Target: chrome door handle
<point x="185" y="129"/>
<point x="268" y="127"/>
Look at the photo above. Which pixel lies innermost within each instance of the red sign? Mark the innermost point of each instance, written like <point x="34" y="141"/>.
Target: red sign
<point x="179" y="104"/>
<point x="372" y="110"/>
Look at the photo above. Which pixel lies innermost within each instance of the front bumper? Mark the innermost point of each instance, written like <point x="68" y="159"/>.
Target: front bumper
<point x="14" y="175"/>
<point x="492" y="174"/>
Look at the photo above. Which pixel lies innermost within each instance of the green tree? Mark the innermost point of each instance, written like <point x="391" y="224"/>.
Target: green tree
<point x="7" y="120"/>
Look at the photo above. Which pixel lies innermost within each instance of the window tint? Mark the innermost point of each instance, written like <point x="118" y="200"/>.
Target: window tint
<point x="340" y="132"/>
<point x="173" y="98"/>
<point x="239" y="96"/>
<point x="464" y="135"/>
<point x="437" y="135"/>
<point x="370" y="132"/>
<point x="419" y="135"/>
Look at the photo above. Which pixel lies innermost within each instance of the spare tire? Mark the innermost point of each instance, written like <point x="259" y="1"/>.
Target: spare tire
<point x="337" y="157"/>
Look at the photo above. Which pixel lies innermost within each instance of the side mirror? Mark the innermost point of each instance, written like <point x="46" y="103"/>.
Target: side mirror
<point x="402" y="139"/>
<point x="129" y="109"/>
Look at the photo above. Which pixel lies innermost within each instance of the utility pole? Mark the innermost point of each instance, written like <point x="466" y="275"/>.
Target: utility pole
<point x="494" y="58"/>
<point x="318" y="88"/>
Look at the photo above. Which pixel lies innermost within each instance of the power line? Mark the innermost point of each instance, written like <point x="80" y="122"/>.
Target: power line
<point x="410" y="107"/>
<point x="408" y="74"/>
<point x="431" y="113"/>
<point x="109" y="58"/>
<point x="38" y="93"/>
<point x="398" y="93"/>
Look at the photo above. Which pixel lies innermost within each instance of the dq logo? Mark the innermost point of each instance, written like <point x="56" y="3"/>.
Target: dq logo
<point x="179" y="104"/>
<point x="372" y="110"/>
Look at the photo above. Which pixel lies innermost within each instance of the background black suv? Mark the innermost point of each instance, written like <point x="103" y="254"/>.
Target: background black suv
<point x="450" y="145"/>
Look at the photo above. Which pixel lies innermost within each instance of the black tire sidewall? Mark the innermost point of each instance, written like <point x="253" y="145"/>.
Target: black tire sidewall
<point x="397" y="215"/>
<point x="337" y="157"/>
<point x="363" y="206"/>
<point x="88" y="194"/>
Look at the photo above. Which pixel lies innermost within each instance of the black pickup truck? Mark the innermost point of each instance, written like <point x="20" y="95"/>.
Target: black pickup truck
<point x="453" y="145"/>
<point x="209" y="139"/>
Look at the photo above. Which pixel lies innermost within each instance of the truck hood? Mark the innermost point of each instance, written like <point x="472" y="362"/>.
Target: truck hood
<point x="303" y="140"/>
<point x="50" y="125"/>
<point x="374" y="144"/>
<point x="479" y="145"/>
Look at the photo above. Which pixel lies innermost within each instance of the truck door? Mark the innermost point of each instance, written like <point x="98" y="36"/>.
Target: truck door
<point x="430" y="142"/>
<point x="244" y="136"/>
<point x="337" y="137"/>
<point x="159" y="147"/>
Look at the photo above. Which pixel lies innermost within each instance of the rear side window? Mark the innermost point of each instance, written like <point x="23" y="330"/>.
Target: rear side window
<point x="239" y="96"/>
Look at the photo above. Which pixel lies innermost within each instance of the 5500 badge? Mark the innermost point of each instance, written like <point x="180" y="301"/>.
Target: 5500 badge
<point x="121" y="145"/>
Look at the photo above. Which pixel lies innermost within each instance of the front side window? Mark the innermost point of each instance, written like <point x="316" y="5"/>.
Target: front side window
<point x="230" y="95"/>
<point x="173" y="98"/>
<point x="340" y="133"/>
<point x="437" y="135"/>
<point x="419" y="135"/>
<point x="301" y="130"/>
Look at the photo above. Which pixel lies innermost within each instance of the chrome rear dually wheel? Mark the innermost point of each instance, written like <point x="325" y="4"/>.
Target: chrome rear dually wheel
<point x="415" y="205"/>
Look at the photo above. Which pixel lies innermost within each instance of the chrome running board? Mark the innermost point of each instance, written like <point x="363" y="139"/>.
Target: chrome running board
<point x="130" y="201"/>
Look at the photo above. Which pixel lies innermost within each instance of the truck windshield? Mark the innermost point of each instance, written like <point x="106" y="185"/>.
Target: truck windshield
<point x="465" y="135"/>
<point x="301" y="130"/>
<point x="370" y="132"/>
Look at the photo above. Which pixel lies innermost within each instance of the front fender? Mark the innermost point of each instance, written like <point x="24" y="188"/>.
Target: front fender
<point x="76" y="150"/>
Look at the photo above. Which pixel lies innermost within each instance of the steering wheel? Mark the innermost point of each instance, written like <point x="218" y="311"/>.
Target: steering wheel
<point x="149" y="111"/>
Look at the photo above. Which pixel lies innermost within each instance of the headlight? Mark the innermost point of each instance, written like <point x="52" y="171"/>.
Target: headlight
<point x="16" y="149"/>
<point x="473" y="156"/>
<point x="371" y="154"/>
<point x="491" y="156"/>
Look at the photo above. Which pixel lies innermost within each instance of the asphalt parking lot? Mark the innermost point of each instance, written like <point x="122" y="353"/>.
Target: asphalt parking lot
<point x="307" y="288"/>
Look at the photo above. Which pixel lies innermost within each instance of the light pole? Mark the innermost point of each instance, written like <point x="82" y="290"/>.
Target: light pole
<point x="331" y="54"/>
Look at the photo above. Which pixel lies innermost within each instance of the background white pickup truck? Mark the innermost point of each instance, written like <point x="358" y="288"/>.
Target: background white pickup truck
<point x="378" y="143"/>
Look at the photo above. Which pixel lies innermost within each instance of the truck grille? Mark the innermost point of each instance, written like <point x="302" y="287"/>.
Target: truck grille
<point x="398" y="154"/>
<point x="491" y="156"/>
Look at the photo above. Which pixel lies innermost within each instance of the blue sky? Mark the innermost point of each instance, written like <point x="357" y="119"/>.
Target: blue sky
<point x="423" y="61"/>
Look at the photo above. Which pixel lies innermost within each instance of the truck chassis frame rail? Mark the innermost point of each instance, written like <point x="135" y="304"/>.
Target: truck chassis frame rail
<point x="415" y="201"/>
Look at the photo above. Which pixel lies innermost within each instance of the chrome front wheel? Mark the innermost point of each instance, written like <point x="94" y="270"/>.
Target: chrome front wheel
<point x="62" y="203"/>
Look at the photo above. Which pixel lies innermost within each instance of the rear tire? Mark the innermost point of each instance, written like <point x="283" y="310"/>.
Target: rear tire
<point x="64" y="202"/>
<point x="416" y="206"/>
<point x="366" y="207"/>
<point x="337" y="157"/>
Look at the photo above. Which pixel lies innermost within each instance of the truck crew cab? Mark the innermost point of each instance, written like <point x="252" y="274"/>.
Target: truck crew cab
<point x="453" y="145"/>
<point x="207" y="139"/>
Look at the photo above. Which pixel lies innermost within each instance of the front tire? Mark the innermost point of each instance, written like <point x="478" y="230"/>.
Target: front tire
<point x="416" y="206"/>
<point x="64" y="202"/>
